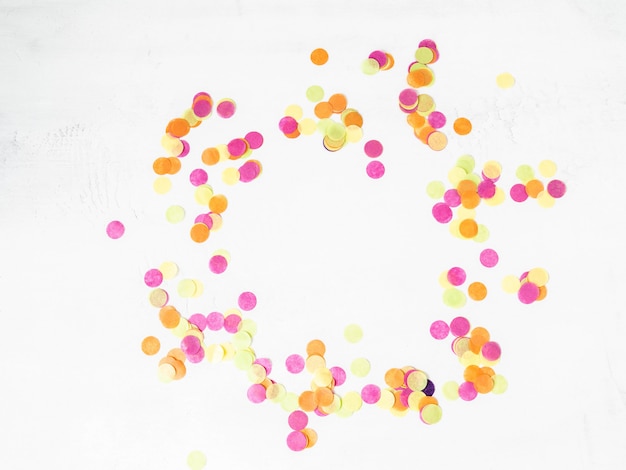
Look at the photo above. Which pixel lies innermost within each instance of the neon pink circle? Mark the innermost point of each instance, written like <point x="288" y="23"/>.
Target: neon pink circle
<point x="528" y="293"/>
<point x="288" y="125"/>
<point x="218" y="264"/>
<point x="518" y="192"/>
<point x="185" y="151"/>
<point x="153" y="278"/>
<point x="247" y="301"/>
<point x="373" y="148"/>
<point x="294" y="363"/>
<point x="199" y="320"/>
<point x="556" y="189"/>
<point x="442" y="213"/>
<point x="256" y="393"/>
<point x="404" y="396"/>
<point x="482" y="173"/>
<point x="452" y="198"/>
<point x="196" y="357"/>
<point x="204" y="219"/>
<point x="198" y="177"/>
<point x="459" y="326"/>
<point x="467" y="391"/>
<point x="486" y="189"/>
<point x="436" y="119"/>
<point x="266" y="363"/>
<point x="298" y="420"/>
<point x="249" y="171"/>
<point x="115" y="229"/>
<point x="202" y="108"/>
<point x="339" y="375"/>
<point x="491" y="351"/>
<point x="225" y="109"/>
<point x="231" y="323"/>
<point x="237" y="147"/>
<point x="456" y="276"/>
<point x="254" y="139"/>
<point x="370" y="394"/>
<point x="489" y="258"/>
<point x="380" y="57"/>
<point x="190" y="345"/>
<point x="297" y="441"/>
<point x="375" y="169"/>
<point x="428" y="43"/>
<point x="439" y="329"/>
<point x="215" y="321"/>
<point x="408" y="97"/>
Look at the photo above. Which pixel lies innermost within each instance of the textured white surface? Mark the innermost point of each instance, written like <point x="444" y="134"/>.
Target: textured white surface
<point x="87" y="88"/>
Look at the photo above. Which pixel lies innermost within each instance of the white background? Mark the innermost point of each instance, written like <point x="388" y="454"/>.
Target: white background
<point x="87" y="89"/>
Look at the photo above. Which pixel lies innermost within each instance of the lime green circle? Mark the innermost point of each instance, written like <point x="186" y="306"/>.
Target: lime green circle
<point x="175" y="214"/>
<point x="451" y="390"/>
<point x="353" y="333"/>
<point x="196" y="460"/>
<point x="453" y="297"/>
<point x="435" y="189"/>
<point x="482" y="235"/>
<point x="466" y="162"/>
<point x="289" y="402"/>
<point x="315" y="93"/>
<point x="456" y="175"/>
<point x="241" y="340"/>
<point x="323" y="124"/>
<point x="243" y="359"/>
<point x="336" y="131"/>
<point x="424" y="55"/>
<point x="500" y="384"/>
<point x="187" y="288"/>
<point x="473" y="177"/>
<point x="431" y="413"/>
<point x="360" y="367"/>
<point x="249" y="325"/>
<point x="370" y="67"/>
<point x="202" y="194"/>
<point x="525" y="173"/>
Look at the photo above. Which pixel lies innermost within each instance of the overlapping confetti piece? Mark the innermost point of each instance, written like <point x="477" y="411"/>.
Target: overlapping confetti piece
<point x="532" y="187"/>
<point x="530" y="287"/>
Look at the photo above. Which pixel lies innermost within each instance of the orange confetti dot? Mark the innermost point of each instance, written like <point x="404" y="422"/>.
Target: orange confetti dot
<point x="543" y="291"/>
<point x="161" y="166"/>
<point x="424" y="133"/>
<point x="466" y="185"/>
<point x="169" y="316"/>
<point x="415" y="120"/>
<point x="175" y="165"/>
<point x="323" y="109"/>
<point x="210" y="156"/>
<point x="316" y="347"/>
<point x="338" y="102"/>
<point x="319" y="56"/>
<point x="311" y="437"/>
<point x="324" y="396"/>
<point x="150" y="345"/>
<point x="394" y="377"/>
<point x="178" y="366"/>
<point x="178" y="127"/>
<point x="419" y="77"/>
<point x="477" y="291"/>
<point x="533" y="188"/>
<point x="462" y="126"/>
<point x="199" y="232"/>
<point x="218" y="203"/>
<point x="471" y="372"/>
<point x="307" y="401"/>
<point x="350" y="117"/>
<point x="483" y="383"/>
<point x="427" y="400"/>
<point x="468" y="228"/>
<point x="470" y="199"/>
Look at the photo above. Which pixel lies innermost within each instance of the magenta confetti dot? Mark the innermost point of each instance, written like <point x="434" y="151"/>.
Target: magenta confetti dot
<point x="254" y="139"/>
<point x="190" y="345"/>
<point x="404" y="396"/>
<point x="237" y="147"/>
<point x="528" y="293"/>
<point x="247" y="301"/>
<point x="518" y="192"/>
<point x="288" y="125"/>
<point x="197" y="356"/>
<point x="249" y="171"/>
<point x="370" y="394"/>
<point x="115" y="229"/>
<point x="523" y="276"/>
<point x="459" y="326"/>
<point x="185" y="151"/>
<point x="199" y="320"/>
<point x="373" y="148"/>
<point x="198" y="177"/>
<point x="442" y="213"/>
<point x="439" y="329"/>
<point x="202" y="108"/>
<point x="408" y="97"/>
<point x="298" y="420"/>
<point x="375" y="170"/>
<point x="294" y="363"/>
<point x="486" y="189"/>
<point x="452" y="198"/>
<point x="215" y="321"/>
<point x="489" y="258"/>
<point x="256" y="393"/>
<point x="456" y="276"/>
<point x="339" y="375"/>
<point x="380" y="57"/>
<point x="204" y="219"/>
<point x="491" y="351"/>
<point x="485" y="177"/>
<point x="297" y="441"/>
<point x="467" y="391"/>
<point x="556" y="189"/>
<point x="153" y="278"/>
<point x="266" y="362"/>
<point x="218" y="264"/>
<point x="436" y="119"/>
<point x="231" y="323"/>
<point x="225" y="109"/>
<point x="428" y="43"/>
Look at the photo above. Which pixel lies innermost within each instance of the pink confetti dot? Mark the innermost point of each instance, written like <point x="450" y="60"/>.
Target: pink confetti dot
<point x="202" y="108"/>
<point x="489" y="258"/>
<point x="436" y="120"/>
<point x="375" y="170"/>
<point x="249" y="171"/>
<point x="467" y="391"/>
<point x="294" y="363"/>
<point x="297" y="441"/>
<point x="204" y="219"/>
<point x="518" y="192"/>
<point x="218" y="264"/>
<point x="115" y="229"/>
<point x="199" y="320"/>
<point x="254" y="139"/>
<point x="153" y="278"/>
<point x="459" y="326"/>
<point x="225" y="109"/>
<point x="408" y="97"/>
<point x="491" y="351"/>
<point x="190" y="345"/>
<point x="442" y="213"/>
<point x="288" y="125"/>
<point x="266" y="363"/>
<point x="256" y="393"/>
<point x="528" y="293"/>
<point x="298" y="420"/>
<point x="339" y="375"/>
<point x="452" y="198"/>
<point x="373" y="148"/>
<point x="428" y="43"/>
<point x="196" y="357"/>
<point x="439" y="329"/>
<point x="456" y="276"/>
<point x="486" y="189"/>
<point x="247" y="301"/>
<point x="556" y="189"/>
<point x="237" y="147"/>
<point x="215" y="321"/>
<point x="231" y="323"/>
<point x="198" y="177"/>
<point x="370" y="394"/>
<point x="380" y="57"/>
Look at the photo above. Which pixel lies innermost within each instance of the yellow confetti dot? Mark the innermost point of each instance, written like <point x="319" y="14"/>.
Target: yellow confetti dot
<point x="505" y="80"/>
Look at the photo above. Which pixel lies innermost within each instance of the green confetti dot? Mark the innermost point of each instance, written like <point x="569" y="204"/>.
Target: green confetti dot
<point x="466" y="162"/>
<point x="175" y="214"/>
<point x="196" y="460"/>
<point x="500" y="384"/>
<point x="431" y="413"/>
<point x="453" y="297"/>
<point x="370" y="67"/>
<point x="315" y="93"/>
<point x="353" y="333"/>
<point x="482" y="235"/>
<point x="360" y="367"/>
<point x="525" y="173"/>
<point x="435" y="189"/>
<point x="451" y="390"/>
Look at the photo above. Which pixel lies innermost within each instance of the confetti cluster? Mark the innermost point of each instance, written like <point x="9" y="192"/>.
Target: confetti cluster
<point x="534" y="188"/>
<point x="530" y="286"/>
<point x="377" y="61"/>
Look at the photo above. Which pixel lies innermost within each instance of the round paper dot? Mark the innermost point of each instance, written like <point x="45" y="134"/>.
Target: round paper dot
<point x="256" y="393"/>
<point x="218" y="264"/>
<point x="467" y="391"/>
<point x="247" y="301"/>
<point x="294" y="363"/>
<point x="298" y="420"/>
<point x="373" y="148"/>
<point x="297" y="441"/>
<point x="489" y="258"/>
<point x="459" y="326"/>
<point x="450" y="390"/>
<point x="547" y="168"/>
<point x="169" y="269"/>
<point x="437" y="141"/>
<point x="360" y="367"/>
<point x="538" y="276"/>
<point x="528" y="293"/>
<point x="319" y="56"/>
<point x="435" y="189"/>
<point x="353" y="333"/>
<point x="225" y="108"/>
<point x="437" y="119"/>
<point x="196" y="460"/>
<point x="115" y="229"/>
<point x="175" y="214"/>
<point x="150" y="345"/>
<point x="215" y="321"/>
<point x="375" y="169"/>
<point x="199" y="320"/>
<point x="339" y="375"/>
<point x="198" y="177"/>
<point x="442" y="213"/>
<point x="462" y="126"/>
<point x="370" y="394"/>
<point x="439" y="329"/>
<point x="500" y="384"/>
<point x="456" y="276"/>
<point x="431" y="413"/>
<point x="162" y="185"/>
<point x="453" y="297"/>
<point x="477" y="291"/>
<point x="505" y="80"/>
<point x="556" y="189"/>
<point x="491" y="351"/>
<point x="370" y="66"/>
<point x="153" y="278"/>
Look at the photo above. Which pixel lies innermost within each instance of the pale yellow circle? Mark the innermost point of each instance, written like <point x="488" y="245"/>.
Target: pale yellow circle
<point x="443" y="280"/>
<point x="175" y="214"/>
<point x="414" y="400"/>
<point x="217" y="221"/>
<point x="214" y="353"/>
<point x="166" y="372"/>
<point x="353" y="333"/>
<point x="222" y="252"/>
<point x="243" y="358"/>
<point x="465" y="213"/>
<point x="229" y="351"/>
<point x="547" y="168"/>
<point x="180" y="330"/>
<point x="497" y="199"/>
<point x="399" y="412"/>
<point x="510" y="284"/>
<point x="387" y="399"/>
<point x="450" y="390"/>
<point x="360" y="367"/>
<point x="505" y="80"/>
<point x="199" y="288"/>
<point x="241" y="340"/>
<point x="289" y="402"/>
<point x="314" y="362"/>
<point x="453" y="227"/>
<point x="192" y="330"/>
<point x="158" y="297"/>
<point x="538" y="276"/>
<point x="307" y="126"/>
<point x="190" y="117"/>
<point x="295" y="111"/>
<point x="186" y="288"/>
<point x="500" y="384"/>
<point x="417" y="380"/>
<point x="230" y="176"/>
<point x="232" y="311"/>
<point x="203" y="194"/>
<point x="492" y="169"/>
<point x="545" y="200"/>
<point x="322" y="377"/>
<point x="351" y="401"/>
<point x="470" y="359"/>
<point x="334" y="406"/>
<point x="162" y="185"/>
<point x="222" y="149"/>
<point x="257" y="374"/>
<point x="353" y="133"/>
<point x="275" y="392"/>
<point x="169" y="269"/>
<point x="456" y="175"/>
<point x="172" y="145"/>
